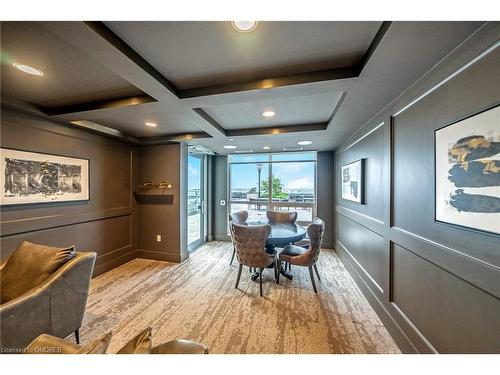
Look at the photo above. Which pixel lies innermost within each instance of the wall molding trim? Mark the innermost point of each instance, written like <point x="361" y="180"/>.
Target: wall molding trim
<point x="387" y="319"/>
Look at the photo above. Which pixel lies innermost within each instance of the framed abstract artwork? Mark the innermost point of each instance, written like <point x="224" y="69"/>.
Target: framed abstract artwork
<point x="467" y="163"/>
<point x="353" y="188"/>
<point x="30" y="177"/>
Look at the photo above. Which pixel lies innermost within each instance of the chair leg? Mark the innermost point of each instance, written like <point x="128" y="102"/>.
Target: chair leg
<point x="239" y="275"/>
<point x="77" y="336"/>
<point x="317" y="273"/>
<point x="260" y="280"/>
<point x="232" y="257"/>
<point x="278" y="272"/>
<point x="312" y="278"/>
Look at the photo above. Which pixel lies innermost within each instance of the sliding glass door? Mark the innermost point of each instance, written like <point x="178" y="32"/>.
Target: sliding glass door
<point x="196" y="201"/>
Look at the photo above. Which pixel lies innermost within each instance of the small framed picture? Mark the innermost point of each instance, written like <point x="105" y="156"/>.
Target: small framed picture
<point x="353" y="176"/>
<point x="32" y="177"/>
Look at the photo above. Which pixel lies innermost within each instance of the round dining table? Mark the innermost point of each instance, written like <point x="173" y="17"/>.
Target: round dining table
<point x="282" y="235"/>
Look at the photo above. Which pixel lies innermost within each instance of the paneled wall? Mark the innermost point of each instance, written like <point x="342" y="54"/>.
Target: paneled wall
<point x="163" y="215"/>
<point x="435" y="286"/>
<point x="105" y="224"/>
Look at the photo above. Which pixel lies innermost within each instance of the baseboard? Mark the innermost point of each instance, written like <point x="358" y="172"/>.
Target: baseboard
<point x="403" y="342"/>
<point x="113" y="263"/>
<point x="157" y="255"/>
<point x="221" y="237"/>
<point x="327" y="245"/>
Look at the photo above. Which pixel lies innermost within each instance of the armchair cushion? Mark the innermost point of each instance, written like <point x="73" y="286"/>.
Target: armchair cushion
<point x="140" y="344"/>
<point x="28" y="266"/>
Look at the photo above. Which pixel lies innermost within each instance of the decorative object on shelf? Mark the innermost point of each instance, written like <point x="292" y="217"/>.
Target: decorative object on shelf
<point x="353" y="181"/>
<point x="32" y="177"/>
<point x="467" y="160"/>
<point x="149" y="186"/>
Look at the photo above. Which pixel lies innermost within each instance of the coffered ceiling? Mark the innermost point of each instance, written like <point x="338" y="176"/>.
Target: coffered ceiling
<point x="204" y="82"/>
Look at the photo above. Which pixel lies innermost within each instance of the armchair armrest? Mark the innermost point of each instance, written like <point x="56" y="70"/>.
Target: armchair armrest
<point x="46" y="284"/>
<point x="55" y="306"/>
<point x="3" y="262"/>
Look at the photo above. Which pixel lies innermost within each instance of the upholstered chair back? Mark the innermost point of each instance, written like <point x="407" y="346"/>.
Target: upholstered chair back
<point x="315" y="232"/>
<point x="278" y="217"/>
<point x="250" y="244"/>
<point x="239" y="218"/>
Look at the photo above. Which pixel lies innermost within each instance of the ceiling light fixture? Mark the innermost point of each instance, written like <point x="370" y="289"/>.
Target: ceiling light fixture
<point x="151" y="124"/>
<point x="230" y="147"/>
<point x="304" y="143"/>
<point x="231" y="139"/>
<point x="266" y="147"/>
<point x="28" y="69"/>
<point x="244" y="26"/>
<point x="268" y="113"/>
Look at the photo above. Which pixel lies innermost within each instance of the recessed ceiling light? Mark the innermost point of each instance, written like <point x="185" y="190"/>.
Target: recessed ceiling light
<point x="304" y="143"/>
<point x="231" y="139"/>
<point x="230" y="147"/>
<point x="268" y="113"/>
<point x="244" y="26"/>
<point x="266" y="147"/>
<point x="284" y="148"/>
<point x="151" y="124"/>
<point x="28" y="69"/>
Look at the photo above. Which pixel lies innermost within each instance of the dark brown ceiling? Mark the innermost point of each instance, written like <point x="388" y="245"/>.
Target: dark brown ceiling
<point x="203" y="82"/>
<point x="70" y="76"/>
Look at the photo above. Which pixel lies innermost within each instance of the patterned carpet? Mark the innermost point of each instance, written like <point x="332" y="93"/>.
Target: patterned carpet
<point x="197" y="300"/>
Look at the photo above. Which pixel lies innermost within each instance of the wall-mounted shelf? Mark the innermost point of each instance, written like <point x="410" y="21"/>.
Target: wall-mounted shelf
<point x="154" y="193"/>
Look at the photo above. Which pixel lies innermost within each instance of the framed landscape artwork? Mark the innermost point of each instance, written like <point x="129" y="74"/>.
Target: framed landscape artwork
<point x="467" y="157"/>
<point x="353" y="181"/>
<point x="29" y="177"/>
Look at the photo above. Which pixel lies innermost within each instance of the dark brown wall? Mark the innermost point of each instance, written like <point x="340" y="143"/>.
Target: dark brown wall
<point x="105" y="224"/>
<point x="161" y="215"/>
<point x="435" y="286"/>
<point x="325" y="180"/>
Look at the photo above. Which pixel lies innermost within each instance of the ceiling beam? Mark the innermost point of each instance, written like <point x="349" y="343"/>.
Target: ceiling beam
<point x="204" y="115"/>
<point x="170" y="138"/>
<point x="275" y="130"/>
<point x="100" y="104"/>
<point x="259" y="84"/>
<point x="268" y="83"/>
<point x="108" y="34"/>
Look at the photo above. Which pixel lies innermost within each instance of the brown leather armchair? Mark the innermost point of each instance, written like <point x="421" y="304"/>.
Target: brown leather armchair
<point x="239" y="218"/>
<point x="47" y="344"/>
<point x="55" y="306"/>
<point x="278" y="217"/>
<point x="299" y="256"/>
<point x="250" y="251"/>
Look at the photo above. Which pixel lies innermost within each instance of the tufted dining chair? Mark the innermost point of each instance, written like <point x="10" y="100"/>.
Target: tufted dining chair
<point x="299" y="256"/>
<point x="278" y="217"/>
<point x="239" y="218"/>
<point x="250" y="250"/>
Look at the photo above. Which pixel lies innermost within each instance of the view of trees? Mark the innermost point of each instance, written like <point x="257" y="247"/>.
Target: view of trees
<point x="277" y="187"/>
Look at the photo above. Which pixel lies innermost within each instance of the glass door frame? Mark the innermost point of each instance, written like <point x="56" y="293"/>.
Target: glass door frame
<point x="202" y="206"/>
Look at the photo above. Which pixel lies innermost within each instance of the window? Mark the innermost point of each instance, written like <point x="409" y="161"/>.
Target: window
<point x="285" y="181"/>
